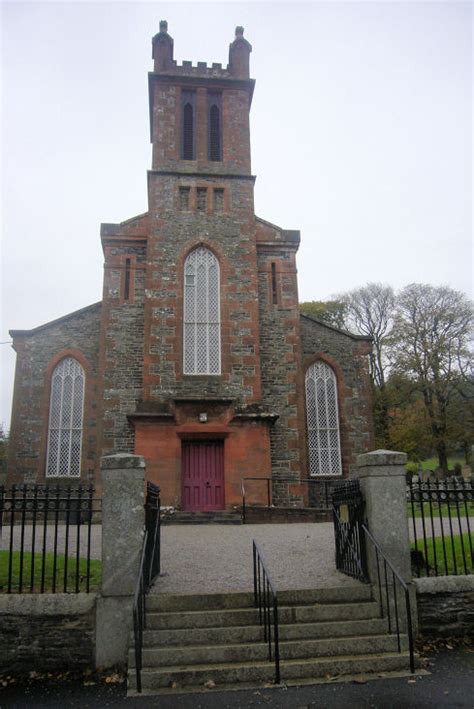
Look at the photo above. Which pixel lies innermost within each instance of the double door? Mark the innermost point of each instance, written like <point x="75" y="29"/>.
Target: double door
<point x="203" y="476"/>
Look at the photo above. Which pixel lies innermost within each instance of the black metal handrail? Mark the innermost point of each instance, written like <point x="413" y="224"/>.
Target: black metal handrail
<point x="381" y="556"/>
<point x="139" y="614"/>
<point x="150" y="564"/>
<point x="325" y="485"/>
<point x="50" y="528"/>
<point x="153" y="527"/>
<point x="266" y="600"/>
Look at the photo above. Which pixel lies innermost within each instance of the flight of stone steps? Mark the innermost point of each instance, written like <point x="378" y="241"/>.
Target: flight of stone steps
<point x="179" y="517"/>
<point x="194" y="641"/>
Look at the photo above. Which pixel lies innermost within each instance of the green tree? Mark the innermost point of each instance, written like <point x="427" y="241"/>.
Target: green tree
<point x="3" y="450"/>
<point x="430" y="346"/>
<point x="461" y="419"/>
<point x="409" y="430"/>
<point x="331" y="312"/>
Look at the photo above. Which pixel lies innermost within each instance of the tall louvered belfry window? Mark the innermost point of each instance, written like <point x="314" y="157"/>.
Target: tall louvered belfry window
<point x="188" y="132"/>
<point x="66" y="412"/>
<point x="202" y="346"/>
<point x="188" y="125"/>
<point x="215" y="128"/>
<point x="324" y="447"/>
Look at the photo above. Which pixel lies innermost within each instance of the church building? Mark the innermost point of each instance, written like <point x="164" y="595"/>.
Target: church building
<point x="197" y="356"/>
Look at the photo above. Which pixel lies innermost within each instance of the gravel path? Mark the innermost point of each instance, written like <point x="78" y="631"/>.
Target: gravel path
<point x="211" y="558"/>
<point x="219" y="557"/>
<point x="441" y="525"/>
<point x="96" y="539"/>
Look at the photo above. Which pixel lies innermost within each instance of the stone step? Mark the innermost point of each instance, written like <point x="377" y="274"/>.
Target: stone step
<point x="166" y="602"/>
<point x="285" y="515"/>
<point x="202" y="518"/>
<point x="258" y="652"/>
<point x="249" y="616"/>
<point x="160" y="602"/>
<point x="254" y="633"/>
<point x="256" y="672"/>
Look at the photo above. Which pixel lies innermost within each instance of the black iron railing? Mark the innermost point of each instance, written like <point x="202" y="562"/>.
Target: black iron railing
<point x="150" y="564"/>
<point x="442" y="527"/>
<point x="387" y="580"/>
<point x="348" y="515"/>
<point x="265" y="599"/>
<point x="307" y="492"/>
<point x="46" y="535"/>
<point x="352" y="538"/>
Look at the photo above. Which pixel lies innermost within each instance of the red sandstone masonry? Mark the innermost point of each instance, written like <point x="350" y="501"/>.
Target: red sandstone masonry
<point x="137" y="397"/>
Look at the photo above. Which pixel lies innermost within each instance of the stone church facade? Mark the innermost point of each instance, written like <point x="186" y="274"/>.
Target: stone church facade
<point x="197" y="356"/>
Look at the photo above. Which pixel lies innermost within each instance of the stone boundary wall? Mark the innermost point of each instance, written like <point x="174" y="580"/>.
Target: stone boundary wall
<point x="445" y="606"/>
<point x="47" y="632"/>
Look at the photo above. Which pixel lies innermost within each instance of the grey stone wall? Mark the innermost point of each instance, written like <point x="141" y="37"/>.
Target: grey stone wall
<point x="122" y="364"/>
<point x="47" y="632"/>
<point x="445" y="606"/>
<point x="347" y="354"/>
<point x="280" y="360"/>
<point x="36" y="350"/>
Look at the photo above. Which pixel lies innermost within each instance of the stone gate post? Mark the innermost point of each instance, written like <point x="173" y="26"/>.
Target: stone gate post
<point x="382" y="476"/>
<point x="123" y="518"/>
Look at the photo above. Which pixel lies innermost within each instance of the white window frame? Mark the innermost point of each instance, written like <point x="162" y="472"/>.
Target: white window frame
<point x="66" y="419"/>
<point x="201" y="314"/>
<point x="322" y="419"/>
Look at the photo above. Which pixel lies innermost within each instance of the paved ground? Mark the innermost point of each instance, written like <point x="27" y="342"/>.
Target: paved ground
<point x="60" y="536"/>
<point x="440" y="526"/>
<point x="451" y="684"/>
<point x="219" y="557"/>
<point x="207" y="558"/>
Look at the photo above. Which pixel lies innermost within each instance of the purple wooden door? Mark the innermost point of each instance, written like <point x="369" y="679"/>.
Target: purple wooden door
<point x="203" y="476"/>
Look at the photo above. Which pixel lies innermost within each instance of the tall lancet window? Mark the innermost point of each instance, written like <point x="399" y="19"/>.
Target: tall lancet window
<point x="202" y="337"/>
<point x="66" y="412"/>
<point x="215" y="127"/>
<point x="188" y="125"/>
<point x="324" y="447"/>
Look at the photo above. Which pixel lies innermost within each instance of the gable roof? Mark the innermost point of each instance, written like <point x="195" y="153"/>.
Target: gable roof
<point x="51" y="323"/>
<point x="367" y="338"/>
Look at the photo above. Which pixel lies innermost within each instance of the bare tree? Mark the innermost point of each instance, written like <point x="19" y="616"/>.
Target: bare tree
<point x="369" y="311"/>
<point x="431" y="342"/>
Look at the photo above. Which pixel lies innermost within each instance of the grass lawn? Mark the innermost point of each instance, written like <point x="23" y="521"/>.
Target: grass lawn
<point x="447" y="567"/>
<point x="435" y="510"/>
<point x="432" y="463"/>
<point x="95" y="573"/>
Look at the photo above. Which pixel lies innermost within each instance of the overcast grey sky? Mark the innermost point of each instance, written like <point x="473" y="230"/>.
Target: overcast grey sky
<point x="361" y="138"/>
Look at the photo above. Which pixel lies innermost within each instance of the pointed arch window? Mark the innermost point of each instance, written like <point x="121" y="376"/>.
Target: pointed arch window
<point x="322" y="415"/>
<point x="215" y="127"/>
<point x="66" y="413"/>
<point x="188" y="126"/>
<point x="202" y="337"/>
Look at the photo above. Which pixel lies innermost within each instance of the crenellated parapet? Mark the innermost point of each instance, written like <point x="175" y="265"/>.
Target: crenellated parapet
<point x="164" y="63"/>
